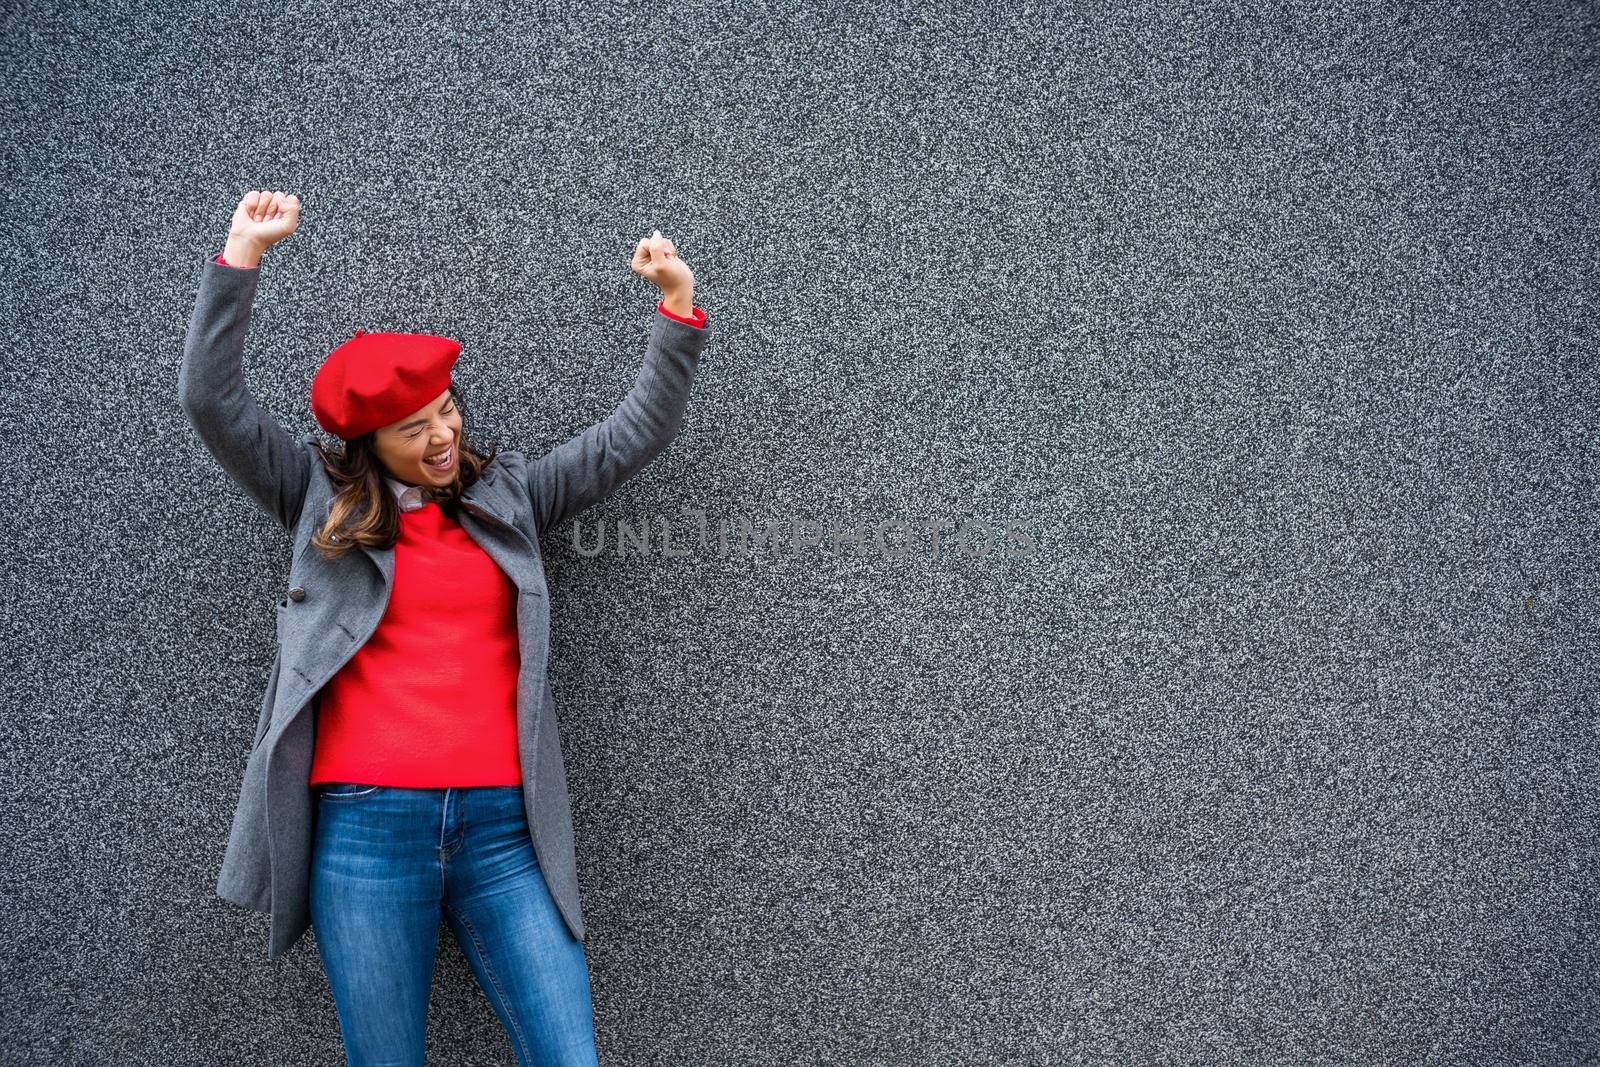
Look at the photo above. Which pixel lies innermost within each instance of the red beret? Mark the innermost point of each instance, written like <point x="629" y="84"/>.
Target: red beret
<point x="374" y="379"/>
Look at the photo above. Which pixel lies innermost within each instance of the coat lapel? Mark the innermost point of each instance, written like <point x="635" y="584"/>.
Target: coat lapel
<point x="382" y="558"/>
<point x="475" y="507"/>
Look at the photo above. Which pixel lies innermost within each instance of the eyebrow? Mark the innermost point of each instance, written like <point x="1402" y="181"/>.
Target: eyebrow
<point x="419" y="422"/>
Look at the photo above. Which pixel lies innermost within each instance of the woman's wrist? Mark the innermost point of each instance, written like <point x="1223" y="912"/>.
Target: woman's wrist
<point x="240" y="252"/>
<point x="680" y="302"/>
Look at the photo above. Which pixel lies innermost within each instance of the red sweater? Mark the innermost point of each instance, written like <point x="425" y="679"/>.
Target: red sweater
<point x="430" y="700"/>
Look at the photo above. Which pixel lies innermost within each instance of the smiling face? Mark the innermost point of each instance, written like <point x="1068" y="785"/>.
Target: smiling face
<point x="431" y="432"/>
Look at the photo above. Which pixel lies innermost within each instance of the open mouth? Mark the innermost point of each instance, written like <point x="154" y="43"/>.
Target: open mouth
<point x="443" y="461"/>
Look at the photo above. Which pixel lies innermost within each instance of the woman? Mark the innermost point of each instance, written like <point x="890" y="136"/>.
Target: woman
<point x="407" y="762"/>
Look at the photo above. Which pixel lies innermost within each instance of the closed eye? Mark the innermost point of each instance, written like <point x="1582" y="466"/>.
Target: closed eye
<point x="412" y="436"/>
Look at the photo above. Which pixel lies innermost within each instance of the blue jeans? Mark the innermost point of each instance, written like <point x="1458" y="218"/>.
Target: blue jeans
<point x="386" y="863"/>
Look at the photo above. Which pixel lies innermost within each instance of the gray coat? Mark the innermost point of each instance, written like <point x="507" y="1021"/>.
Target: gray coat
<point x="330" y="608"/>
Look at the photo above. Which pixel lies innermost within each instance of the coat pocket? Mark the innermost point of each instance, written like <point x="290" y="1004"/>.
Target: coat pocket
<point x="268" y="699"/>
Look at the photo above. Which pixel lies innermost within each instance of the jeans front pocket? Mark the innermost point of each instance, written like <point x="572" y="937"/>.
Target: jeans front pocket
<point x="346" y="790"/>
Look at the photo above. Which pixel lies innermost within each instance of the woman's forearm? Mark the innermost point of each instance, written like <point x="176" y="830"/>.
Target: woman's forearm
<point x="251" y="446"/>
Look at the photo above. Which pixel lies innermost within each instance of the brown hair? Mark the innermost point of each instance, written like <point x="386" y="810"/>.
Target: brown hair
<point x="364" y="509"/>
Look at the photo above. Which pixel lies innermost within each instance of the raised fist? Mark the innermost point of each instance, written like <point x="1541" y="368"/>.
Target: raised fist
<point x="656" y="259"/>
<point x="264" y="218"/>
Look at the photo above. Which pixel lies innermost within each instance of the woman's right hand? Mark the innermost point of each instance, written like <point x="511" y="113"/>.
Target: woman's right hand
<point x="261" y="220"/>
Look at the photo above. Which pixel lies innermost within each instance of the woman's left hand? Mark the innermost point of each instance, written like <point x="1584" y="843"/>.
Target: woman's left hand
<point x="656" y="259"/>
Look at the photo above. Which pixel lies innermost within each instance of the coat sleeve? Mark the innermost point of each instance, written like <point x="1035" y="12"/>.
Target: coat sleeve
<point x="254" y="450"/>
<point x="585" y="469"/>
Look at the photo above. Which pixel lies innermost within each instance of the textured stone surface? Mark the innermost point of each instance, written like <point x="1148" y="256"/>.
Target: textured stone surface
<point x="1272" y="327"/>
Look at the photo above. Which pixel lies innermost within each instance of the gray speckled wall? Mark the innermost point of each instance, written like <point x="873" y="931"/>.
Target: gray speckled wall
<point x="1271" y="329"/>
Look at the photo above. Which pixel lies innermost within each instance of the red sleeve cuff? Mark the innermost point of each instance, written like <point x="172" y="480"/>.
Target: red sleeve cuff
<point x="696" y="318"/>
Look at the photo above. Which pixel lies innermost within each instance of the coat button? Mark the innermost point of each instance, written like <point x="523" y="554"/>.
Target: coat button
<point x="297" y="593"/>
